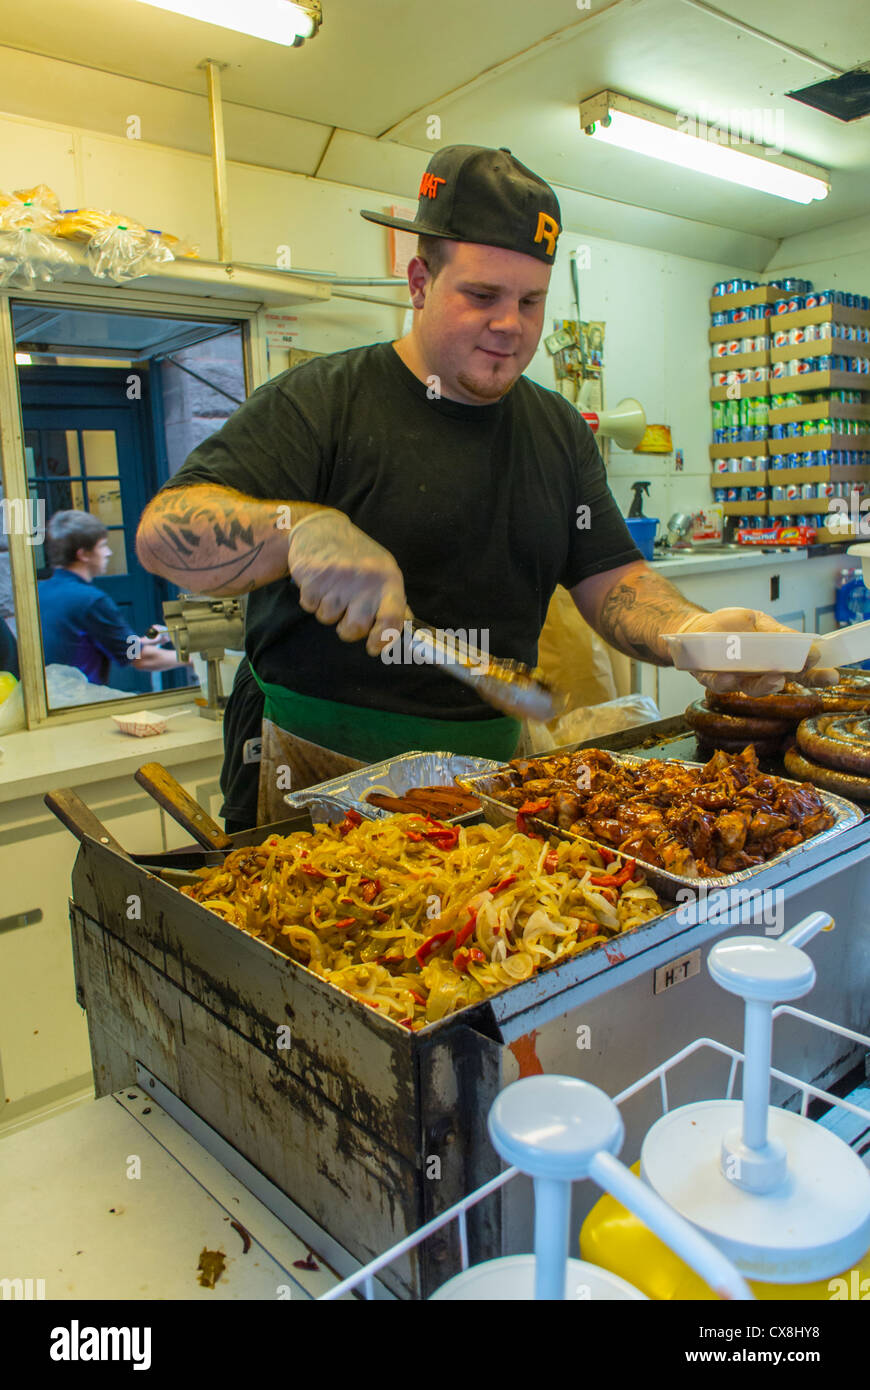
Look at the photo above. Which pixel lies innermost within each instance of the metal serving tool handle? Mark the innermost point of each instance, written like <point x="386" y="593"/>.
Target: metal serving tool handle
<point x="508" y="685"/>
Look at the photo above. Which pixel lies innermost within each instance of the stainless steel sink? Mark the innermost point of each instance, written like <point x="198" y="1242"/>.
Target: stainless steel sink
<point x="710" y="548"/>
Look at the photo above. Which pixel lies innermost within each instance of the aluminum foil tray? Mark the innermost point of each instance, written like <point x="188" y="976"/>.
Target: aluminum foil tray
<point x="668" y="885"/>
<point x="330" y="801"/>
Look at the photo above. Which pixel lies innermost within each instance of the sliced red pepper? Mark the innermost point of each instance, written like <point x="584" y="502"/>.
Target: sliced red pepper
<point x="616" y="880"/>
<point x="345" y="922"/>
<point x="351" y="820"/>
<point x="461" y="958"/>
<point x="505" y="883"/>
<point x="530" y="808"/>
<point x="412" y="835"/>
<point x="551" y="862"/>
<point x="310" y="872"/>
<point x="606" y="854"/>
<point x="465" y="932"/>
<point x="370" y="888"/>
<point x="431" y="944"/>
<point x="406" y="1022"/>
<point x="382" y="916"/>
<point x="418" y="998"/>
<point x="444" y="836"/>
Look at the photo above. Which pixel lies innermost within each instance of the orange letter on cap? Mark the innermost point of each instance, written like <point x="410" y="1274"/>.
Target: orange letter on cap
<point x="548" y="230"/>
<point x="429" y="186"/>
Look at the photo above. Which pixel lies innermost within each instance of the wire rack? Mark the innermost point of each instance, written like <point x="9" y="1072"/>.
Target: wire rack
<point x="364" y="1278"/>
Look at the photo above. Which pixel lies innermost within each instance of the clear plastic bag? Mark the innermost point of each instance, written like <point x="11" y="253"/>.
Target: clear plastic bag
<point x="17" y="213"/>
<point x="181" y="248"/>
<point x="29" y="257"/>
<point x="67" y="685"/>
<point x="125" y="251"/>
<point x="116" y="247"/>
<point x="41" y="195"/>
<point x="593" y="721"/>
<point x="29" y="253"/>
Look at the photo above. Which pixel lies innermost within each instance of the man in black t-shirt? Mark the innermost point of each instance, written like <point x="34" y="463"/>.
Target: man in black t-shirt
<point x="427" y="474"/>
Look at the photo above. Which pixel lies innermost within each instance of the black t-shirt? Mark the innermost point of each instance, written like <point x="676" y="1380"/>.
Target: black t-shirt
<point x="480" y="506"/>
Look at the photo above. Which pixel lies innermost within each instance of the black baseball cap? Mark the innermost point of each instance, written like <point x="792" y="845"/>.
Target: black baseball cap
<point x="472" y="193"/>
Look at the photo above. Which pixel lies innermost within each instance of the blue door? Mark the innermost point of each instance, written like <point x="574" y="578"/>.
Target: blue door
<point x="88" y="447"/>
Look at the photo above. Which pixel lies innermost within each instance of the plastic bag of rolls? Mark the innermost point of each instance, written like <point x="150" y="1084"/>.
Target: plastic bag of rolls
<point x="119" y="246"/>
<point x="29" y="253"/>
<point x="36" y="208"/>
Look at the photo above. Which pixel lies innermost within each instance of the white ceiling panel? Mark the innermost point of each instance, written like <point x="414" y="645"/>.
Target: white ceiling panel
<point x="371" y="62"/>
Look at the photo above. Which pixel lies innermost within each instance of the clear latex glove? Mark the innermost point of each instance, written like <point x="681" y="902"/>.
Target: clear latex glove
<point x="765" y="682"/>
<point x="345" y="578"/>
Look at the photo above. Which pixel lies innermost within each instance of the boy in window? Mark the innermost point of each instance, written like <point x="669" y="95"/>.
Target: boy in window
<point x="81" y="626"/>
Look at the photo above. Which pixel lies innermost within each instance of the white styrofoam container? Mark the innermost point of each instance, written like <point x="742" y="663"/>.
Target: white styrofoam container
<point x="844" y="646"/>
<point x="759" y="652"/>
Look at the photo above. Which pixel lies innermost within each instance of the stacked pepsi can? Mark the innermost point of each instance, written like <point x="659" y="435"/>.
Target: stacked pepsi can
<point x="748" y="312"/>
<point x="826" y="362"/>
<point x="745" y="420"/>
<point x="843" y="357"/>
<point x="808" y="298"/>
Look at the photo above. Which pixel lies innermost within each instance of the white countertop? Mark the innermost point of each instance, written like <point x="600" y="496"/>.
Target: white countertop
<point x="94" y="750"/>
<point x="699" y="562"/>
<point x="82" y="1222"/>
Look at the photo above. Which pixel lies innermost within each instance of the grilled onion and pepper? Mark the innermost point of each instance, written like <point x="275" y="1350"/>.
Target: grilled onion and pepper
<point x="418" y="919"/>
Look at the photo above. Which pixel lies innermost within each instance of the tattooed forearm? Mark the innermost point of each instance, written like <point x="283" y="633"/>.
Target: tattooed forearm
<point x="216" y="541"/>
<point x="636" y="610"/>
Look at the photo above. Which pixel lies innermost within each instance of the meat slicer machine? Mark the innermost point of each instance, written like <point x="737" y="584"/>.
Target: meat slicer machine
<point x="208" y="627"/>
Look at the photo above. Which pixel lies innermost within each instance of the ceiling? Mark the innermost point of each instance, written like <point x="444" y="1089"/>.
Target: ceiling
<point x="504" y="72"/>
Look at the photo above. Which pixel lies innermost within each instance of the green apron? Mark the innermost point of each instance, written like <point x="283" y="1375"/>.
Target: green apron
<point x="371" y="734"/>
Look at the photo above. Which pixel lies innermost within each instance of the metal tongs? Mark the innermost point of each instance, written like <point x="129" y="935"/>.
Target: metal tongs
<point x="510" y="686"/>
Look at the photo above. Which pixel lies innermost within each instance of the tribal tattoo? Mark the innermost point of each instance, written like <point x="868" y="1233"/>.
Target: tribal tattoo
<point x="637" y="610"/>
<point x="212" y="540"/>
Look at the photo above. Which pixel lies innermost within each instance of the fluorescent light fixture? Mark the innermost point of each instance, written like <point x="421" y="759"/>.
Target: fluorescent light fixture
<point x="279" y="21"/>
<point x="23" y="359"/>
<point x="725" y="146"/>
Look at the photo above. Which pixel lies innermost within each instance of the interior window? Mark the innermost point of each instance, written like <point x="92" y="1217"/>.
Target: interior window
<point x="112" y="404"/>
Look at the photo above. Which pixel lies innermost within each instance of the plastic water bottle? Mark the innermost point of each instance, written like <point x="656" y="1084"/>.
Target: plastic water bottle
<point x="852" y="602"/>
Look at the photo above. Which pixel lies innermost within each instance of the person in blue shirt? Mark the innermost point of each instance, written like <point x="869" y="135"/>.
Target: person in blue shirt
<point x="81" y="626"/>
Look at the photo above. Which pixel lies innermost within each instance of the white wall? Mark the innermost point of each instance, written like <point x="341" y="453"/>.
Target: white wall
<point x="835" y="257"/>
